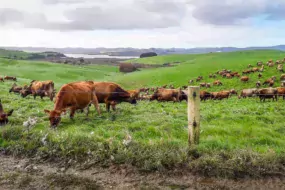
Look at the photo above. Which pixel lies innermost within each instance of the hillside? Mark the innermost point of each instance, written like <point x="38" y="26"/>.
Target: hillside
<point x="191" y="66"/>
<point x="239" y="137"/>
<point x="21" y="55"/>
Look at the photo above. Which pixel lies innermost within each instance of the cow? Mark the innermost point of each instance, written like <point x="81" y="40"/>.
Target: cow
<point x="269" y="81"/>
<point x="111" y="94"/>
<point x="39" y="88"/>
<point x="199" y="79"/>
<point x="73" y="96"/>
<point x="17" y="89"/>
<point x="283" y="83"/>
<point x="244" y="79"/>
<point x="135" y="93"/>
<point x="4" y="116"/>
<point x="259" y="75"/>
<point x="270" y="64"/>
<point x="267" y="93"/>
<point x="259" y="63"/>
<point x="167" y="95"/>
<point x="217" y="83"/>
<point x="280" y="68"/>
<point x="208" y="85"/>
<point x="2" y="79"/>
<point x="210" y="75"/>
<point x="258" y="84"/>
<point x="191" y="81"/>
<point x="249" y="66"/>
<point x="282" y="77"/>
<point x="10" y="78"/>
<point x="281" y="92"/>
<point x="229" y="76"/>
<point x="204" y="95"/>
<point x="203" y="84"/>
<point x="255" y="69"/>
<point x="261" y="69"/>
<point x="221" y="95"/>
<point x="171" y="87"/>
<point x="247" y="93"/>
<point x="214" y="76"/>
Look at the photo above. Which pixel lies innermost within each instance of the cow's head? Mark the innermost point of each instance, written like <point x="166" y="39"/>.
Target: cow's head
<point x="13" y="86"/>
<point x="54" y="117"/>
<point x="4" y="116"/>
<point x="26" y="91"/>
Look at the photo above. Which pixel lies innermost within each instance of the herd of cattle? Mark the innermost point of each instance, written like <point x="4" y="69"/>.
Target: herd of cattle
<point x="81" y="95"/>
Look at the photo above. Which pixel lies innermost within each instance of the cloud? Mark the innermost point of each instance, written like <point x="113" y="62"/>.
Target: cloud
<point x="52" y="2"/>
<point x="233" y="12"/>
<point x="8" y="15"/>
<point x="115" y="15"/>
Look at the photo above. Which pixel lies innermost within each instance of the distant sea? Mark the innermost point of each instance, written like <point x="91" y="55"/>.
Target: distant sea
<point x="99" y="56"/>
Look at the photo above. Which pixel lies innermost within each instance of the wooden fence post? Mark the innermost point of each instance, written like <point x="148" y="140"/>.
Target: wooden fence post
<point x="193" y="115"/>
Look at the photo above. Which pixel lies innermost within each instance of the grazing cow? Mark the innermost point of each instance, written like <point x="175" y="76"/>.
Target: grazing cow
<point x="73" y="96"/>
<point x="255" y="69"/>
<point x="283" y="83"/>
<point x="269" y="81"/>
<point x="261" y="69"/>
<point x="203" y="84"/>
<point x="267" y="93"/>
<point x="281" y="92"/>
<point x="205" y="95"/>
<point x="214" y="76"/>
<point x="274" y="78"/>
<point x="270" y="64"/>
<point x="10" y="78"/>
<point x="280" y="68"/>
<point x="229" y="76"/>
<point x="221" y="95"/>
<point x="40" y="88"/>
<point x="4" y="116"/>
<point x="249" y="66"/>
<point x="210" y="75"/>
<point x="217" y="83"/>
<point x="258" y="84"/>
<point x="111" y="94"/>
<point x="282" y="77"/>
<point x="259" y="63"/>
<point x="17" y="89"/>
<point x="244" y="78"/>
<point x="259" y="75"/>
<point x="199" y="79"/>
<point x="1" y="79"/>
<point x="135" y="93"/>
<point x="248" y="93"/>
<point x="167" y="95"/>
<point x="191" y="81"/>
<point x="208" y="85"/>
<point x="277" y="62"/>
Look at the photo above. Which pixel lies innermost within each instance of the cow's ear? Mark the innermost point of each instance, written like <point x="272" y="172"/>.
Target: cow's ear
<point x="10" y="112"/>
<point x="47" y="111"/>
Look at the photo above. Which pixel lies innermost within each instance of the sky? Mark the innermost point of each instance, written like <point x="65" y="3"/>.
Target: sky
<point x="142" y="23"/>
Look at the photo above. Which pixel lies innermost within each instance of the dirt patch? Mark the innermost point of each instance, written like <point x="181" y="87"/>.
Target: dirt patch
<point x="18" y="173"/>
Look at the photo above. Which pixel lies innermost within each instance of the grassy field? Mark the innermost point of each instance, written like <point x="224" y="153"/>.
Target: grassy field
<point x="238" y="137"/>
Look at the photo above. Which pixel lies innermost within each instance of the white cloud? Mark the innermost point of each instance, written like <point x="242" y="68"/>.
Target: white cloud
<point x="140" y="23"/>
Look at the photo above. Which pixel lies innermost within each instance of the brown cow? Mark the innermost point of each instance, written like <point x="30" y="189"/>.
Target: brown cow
<point x="167" y="95"/>
<point x="135" y="93"/>
<point x="205" y="95"/>
<point x="229" y="76"/>
<point x="210" y="75"/>
<point x="214" y="76"/>
<point x="269" y="81"/>
<point x="221" y="95"/>
<point x="1" y="79"/>
<point x="259" y="75"/>
<point x="111" y="94"/>
<point x="267" y="93"/>
<point x="282" y="77"/>
<point x="40" y="88"/>
<point x="208" y="85"/>
<point x="283" y="83"/>
<point x="255" y="69"/>
<point x="203" y="84"/>
<point x="244" y="78"/>
<point x="281" y="92"/>
<point x="280" y="68"/>
<point x="73" y="96"/>
<point x="217" y="83"/>
<point x="10" y="78"/>
<point x="259" y="63"/>
<point x="248" y="93"/>
<point x="4" y="116"/>
<point x="17" y="89"/>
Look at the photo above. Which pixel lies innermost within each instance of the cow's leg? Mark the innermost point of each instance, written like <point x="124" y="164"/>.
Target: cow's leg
<point x="113" y="104"/>
<point x="88" y="109"/>
<point x="108" y="105"/>
<point x="95" y="102"/>
<point x="72" y="112"/>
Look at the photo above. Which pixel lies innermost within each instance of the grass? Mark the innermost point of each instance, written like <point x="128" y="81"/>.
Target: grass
<point x="238" y="137"/>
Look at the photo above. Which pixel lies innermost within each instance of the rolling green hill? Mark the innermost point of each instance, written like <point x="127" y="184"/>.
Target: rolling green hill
<point x="245" y="136"/>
